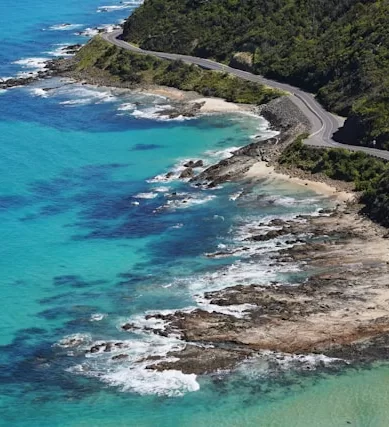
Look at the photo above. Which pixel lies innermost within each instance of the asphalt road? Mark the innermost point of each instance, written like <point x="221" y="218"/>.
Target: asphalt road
<point x="324" y="124"/>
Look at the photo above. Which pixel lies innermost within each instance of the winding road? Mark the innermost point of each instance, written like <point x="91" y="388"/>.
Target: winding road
<point x="323" y="123"/>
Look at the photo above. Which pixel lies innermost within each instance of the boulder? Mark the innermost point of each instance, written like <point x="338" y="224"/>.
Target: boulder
<point x="187" y="173"/>
<point x="120" y="357"/>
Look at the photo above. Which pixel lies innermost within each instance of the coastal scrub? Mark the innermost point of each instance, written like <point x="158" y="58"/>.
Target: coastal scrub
<point x="337" y="49"/>
<point x="118" y="65"/>
<point x="369" y="175"/>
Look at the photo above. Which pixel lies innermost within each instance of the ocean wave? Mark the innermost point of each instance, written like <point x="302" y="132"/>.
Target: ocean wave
<point x="127" y="107"/>
<point x="97" y="317"/>
<point x="170" y="383"/>
<point x="262" y="126"/>
<point x="84" y="95"/>
<point x="161" y="189"/>
<point x="60" y="50"/>
<point x="123" y="5"/>
<point x="146" y="196"/>
<point x="91" y="32"/>
<point x="220" y="154"/>
<point x="176" y="170"/>
<point x="37" y="91"/>
<point x="174" y="227"/>
<point x="125" y="366"/>
<point x="235" y="196"/>
<point x="162" y="178"/>
<point x="241" y="272"/>
<point x="245" y="228"/>
<point x="187" y="201"/>
<point x="154" y="113"/>
<point x="33" y="65"/>
<point x="64" y="27"/>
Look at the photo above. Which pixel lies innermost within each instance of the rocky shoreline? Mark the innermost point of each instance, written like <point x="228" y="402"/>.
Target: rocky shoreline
<point x="341" y="310"/>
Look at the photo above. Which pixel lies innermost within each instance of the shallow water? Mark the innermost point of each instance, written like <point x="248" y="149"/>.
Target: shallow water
<point x="91" y="238"/>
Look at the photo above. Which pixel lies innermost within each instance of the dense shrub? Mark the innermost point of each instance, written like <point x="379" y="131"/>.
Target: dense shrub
<point x="336" y="48"/>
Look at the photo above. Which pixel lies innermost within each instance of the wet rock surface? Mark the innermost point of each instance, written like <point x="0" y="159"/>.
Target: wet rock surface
<point x="241" y="160"/>
<point x="340" y="310"/>
<point x="200" y="360"/>
<point x="52" y="68"/>
<point x="190" y="109"/>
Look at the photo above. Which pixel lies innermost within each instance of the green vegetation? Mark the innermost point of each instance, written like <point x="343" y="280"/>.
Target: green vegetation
<point x="376" y="201"/>
<point x="136" y="68"/>
<point x="336" y="48"/>
<point x="369" y="174"/>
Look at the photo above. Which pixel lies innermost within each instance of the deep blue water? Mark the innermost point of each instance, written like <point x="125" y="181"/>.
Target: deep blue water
<point x="92" y="237"/>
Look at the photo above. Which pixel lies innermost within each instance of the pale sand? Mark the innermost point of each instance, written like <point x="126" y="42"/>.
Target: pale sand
<point x="211" y="105"/>
<point x="219" y="105"/>
<point x="170" y="92"/>
<point x="263" y="170"/>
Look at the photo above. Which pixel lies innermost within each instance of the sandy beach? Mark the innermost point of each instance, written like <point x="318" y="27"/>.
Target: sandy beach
<point x="261" y="170"/>
<point x="340" y="310"/>
<point x="210" y="105"/>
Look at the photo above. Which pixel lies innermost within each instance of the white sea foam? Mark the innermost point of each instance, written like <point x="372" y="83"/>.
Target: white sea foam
<point x="88" y="32"/>
<point x="75" y="102"/>
<point x="74" y="340"/>
<point x="64" y="27"/>
<point x="161" y="178"/>
<point x="238" y="310"/>
<point x="176" y="226"/>
<point x="130" y="373"/>
<point x="187" y="202"/>
<point x="60" y="50"/>
<point x="262" y="126"/>
<point x="268" y="362"/>
<point x="33" y="65"/>
<point x="217" y="155"/>
<point x="97" y="317"/>
<point x="175" y="171"/>
<point x="82" y="95"/>
<point x="161" y="189"/>
<point x="91" y="32"/>
<point x="127" y="107"/>
<point x="154" y="113"/>
<point x="37" y="91"/>
<point x="123" y="5"/>
<point x="236" y="196"/>
<point x="146" y="196"/>
<point x="142" y="381"/>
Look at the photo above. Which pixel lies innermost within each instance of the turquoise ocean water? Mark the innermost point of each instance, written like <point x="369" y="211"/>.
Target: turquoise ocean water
<point x="91" y="238"/>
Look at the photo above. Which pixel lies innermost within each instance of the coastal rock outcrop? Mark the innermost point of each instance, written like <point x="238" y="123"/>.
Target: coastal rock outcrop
<point x="283" y="115"/>
<point x="194" y="164"/>
<point x="189" y="109"/>
<point x="321" y="314"/>
<point x="187" y="173"/>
